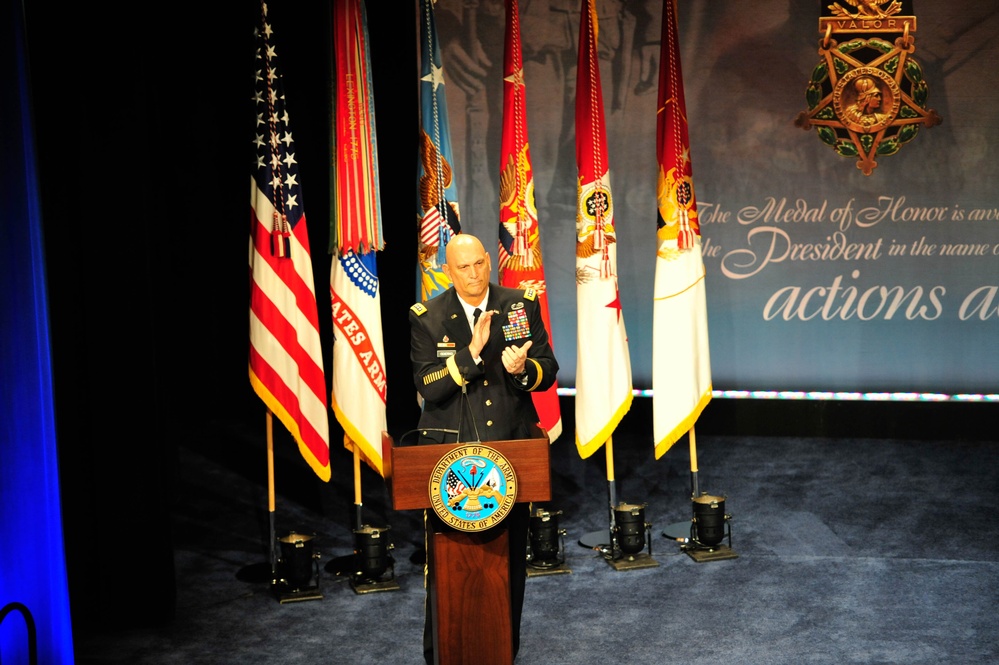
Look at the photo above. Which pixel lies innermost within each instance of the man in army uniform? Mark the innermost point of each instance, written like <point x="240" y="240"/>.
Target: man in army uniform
<point x="478" y="351"/>
<point x="498" y="360"/>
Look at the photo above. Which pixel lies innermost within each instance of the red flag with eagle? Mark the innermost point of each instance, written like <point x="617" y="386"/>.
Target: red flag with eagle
<point x="603" y="364"/>
<point x="359" y="385"/>
<point x="519" y="252"/>
<point x="286" y="359"/>
<point x="681" y="365"/>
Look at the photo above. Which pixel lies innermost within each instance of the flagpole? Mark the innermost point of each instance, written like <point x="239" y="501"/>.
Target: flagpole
<point x="270" y="495"/>
<point x="475" y="128"/>
<point x="694" y="490"/>
<point x="604" y="540"/>
<point x="600" y="331"/>
<point x="680" y="531"/>
<point x="280" y="262"/>
<point x="611" y="483"/>
<point x="358" y="523"/>
<point x="347" y="564"/>
<point x="257" y="572"/>
<point x="359" y="384"/>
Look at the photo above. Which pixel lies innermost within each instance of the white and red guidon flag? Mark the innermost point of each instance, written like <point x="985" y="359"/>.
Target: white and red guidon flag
<point x="520" y="262"/>
<point x="681" y="365"/>
<point x="603" y="364"/>
<point x="286" y="360"/>
<point x="358" y="397"/>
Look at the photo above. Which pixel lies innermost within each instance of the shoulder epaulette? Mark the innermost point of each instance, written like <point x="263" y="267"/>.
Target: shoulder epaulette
<point x="419" y="309"/>
<point x="530" y="294"/>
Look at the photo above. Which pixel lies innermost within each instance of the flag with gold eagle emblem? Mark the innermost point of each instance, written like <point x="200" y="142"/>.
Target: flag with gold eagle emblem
<point x="603" y="364"/>
<point x="681" y="366"/>
<point x="520" y="262"/>
<point x="437" y="207"/>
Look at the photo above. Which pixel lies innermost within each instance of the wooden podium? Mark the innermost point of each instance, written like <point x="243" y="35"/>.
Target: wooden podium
<point x="468" y="572"/>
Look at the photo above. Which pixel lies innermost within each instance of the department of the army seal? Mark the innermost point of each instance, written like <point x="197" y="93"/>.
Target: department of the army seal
<point x="473" y="487"/>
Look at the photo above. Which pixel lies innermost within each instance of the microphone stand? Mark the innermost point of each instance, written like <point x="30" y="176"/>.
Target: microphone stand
<point x="461" y="405"/>
<point x="466" y="405"/>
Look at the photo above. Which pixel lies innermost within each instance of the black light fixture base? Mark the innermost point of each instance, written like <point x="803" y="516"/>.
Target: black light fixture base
<point x="286" y="595"/>
<point x="717" y="553"/>
<point x="633" y="562"/>
<point x="361" y="586"/>
<point x="538" y="571"/>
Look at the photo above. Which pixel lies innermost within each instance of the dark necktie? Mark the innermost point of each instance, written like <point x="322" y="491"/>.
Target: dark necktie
<point x="475" y="316"/>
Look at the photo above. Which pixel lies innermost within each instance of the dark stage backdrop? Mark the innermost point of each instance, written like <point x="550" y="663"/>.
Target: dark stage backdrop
<point x="34" y="607"/>
<point x="144" y="126"/>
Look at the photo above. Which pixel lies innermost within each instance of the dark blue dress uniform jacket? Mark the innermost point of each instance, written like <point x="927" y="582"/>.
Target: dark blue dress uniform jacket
<point x="499" y="406"/>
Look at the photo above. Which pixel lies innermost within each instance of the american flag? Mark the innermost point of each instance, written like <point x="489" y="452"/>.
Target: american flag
<point x="454" y="485"/>
<point x="286" y="361"/>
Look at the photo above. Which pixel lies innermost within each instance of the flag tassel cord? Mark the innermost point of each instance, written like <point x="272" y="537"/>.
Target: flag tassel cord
<point x="694" y="489"/>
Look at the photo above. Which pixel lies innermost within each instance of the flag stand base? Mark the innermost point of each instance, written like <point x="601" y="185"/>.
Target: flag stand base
<point x="601" y="541"/>
<point x="686" y="534"/>
<point x="374" y="567"/>
<point x="598" y="540"/>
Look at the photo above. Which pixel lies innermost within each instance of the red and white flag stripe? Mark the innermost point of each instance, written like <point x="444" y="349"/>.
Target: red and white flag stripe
<point x="286" y="365"/>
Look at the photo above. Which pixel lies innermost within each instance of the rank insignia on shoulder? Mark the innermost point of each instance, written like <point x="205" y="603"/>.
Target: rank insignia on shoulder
<point x="530" y="294"/>
<point x="419" y="309"/>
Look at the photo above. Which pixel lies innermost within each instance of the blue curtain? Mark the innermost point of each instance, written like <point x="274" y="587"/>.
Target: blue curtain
<point x="33" y="585"/>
